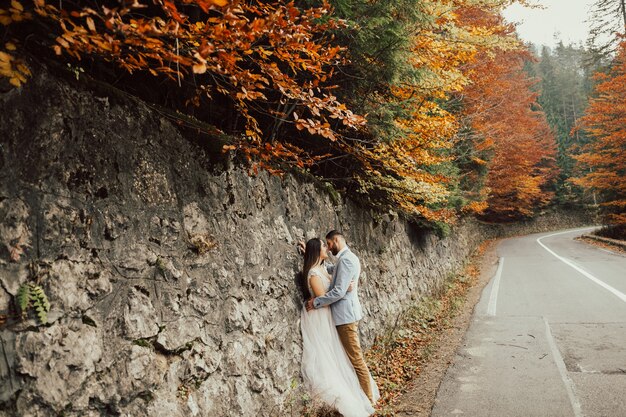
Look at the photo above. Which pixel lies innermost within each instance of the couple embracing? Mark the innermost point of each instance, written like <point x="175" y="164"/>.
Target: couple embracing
<point x="333" y="366"/>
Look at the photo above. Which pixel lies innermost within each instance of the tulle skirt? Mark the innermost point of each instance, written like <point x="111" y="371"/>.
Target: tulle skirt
<point x="326" y="369"/>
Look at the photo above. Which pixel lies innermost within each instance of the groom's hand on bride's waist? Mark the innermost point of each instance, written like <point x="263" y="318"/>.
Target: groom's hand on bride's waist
<point x="309" y="304"/>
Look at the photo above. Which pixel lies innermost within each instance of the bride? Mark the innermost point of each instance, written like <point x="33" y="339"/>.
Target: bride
<point x="326" y="368"/>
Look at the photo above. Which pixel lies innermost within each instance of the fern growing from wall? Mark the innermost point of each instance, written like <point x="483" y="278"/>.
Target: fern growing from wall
<point x="32" y="296"/>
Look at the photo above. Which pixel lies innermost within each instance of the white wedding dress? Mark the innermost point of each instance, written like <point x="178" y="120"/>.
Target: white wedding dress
<point x="326" y="369"/>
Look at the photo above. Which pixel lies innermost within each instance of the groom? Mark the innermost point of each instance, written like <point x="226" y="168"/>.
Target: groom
<point x="345" y="305"/>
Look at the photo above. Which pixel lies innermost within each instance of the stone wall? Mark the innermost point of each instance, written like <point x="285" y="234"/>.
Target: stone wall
<point x="546" y="221"/>
<point x="171" y="282"/>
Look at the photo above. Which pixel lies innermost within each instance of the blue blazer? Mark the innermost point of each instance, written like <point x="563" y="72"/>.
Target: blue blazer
<point x="345" y="306"/>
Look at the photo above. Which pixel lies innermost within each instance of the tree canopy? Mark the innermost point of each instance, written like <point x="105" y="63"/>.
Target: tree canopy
<point x="403" y="104"/>
<point x="601" y="162"/>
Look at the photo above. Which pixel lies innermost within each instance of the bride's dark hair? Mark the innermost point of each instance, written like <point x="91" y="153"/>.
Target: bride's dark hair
<point x="311" y="258"/>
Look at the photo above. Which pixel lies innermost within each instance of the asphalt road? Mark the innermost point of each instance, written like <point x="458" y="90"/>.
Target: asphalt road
<point x="548" y="337"/>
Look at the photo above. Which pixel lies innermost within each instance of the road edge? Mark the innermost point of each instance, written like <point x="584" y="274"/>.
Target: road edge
<point x="420" y="397"/>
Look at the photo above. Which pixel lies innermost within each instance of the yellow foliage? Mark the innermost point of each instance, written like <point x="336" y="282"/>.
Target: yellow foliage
<point x="476" y="207"/>
<point x="12" y="68"/>
<point x="444" y="51"/>
<point x="260" y="52"/>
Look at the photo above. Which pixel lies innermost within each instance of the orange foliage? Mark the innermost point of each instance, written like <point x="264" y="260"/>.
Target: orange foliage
<point x="275" y="61"/>
<point x="405" y="167"/>
<point x="270" y="58"/>
<point x="602" y="162"/>
<point x="11" y="67"/>
<point x="502" y="108"/>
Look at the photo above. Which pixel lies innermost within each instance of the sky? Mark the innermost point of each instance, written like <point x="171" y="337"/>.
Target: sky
<point x="565" y="17"/>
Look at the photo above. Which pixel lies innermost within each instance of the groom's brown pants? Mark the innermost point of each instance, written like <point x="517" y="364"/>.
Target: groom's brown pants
<point x="349" y="335"/>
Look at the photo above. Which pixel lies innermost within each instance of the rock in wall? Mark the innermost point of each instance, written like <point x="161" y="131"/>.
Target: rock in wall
<point x="171" y="283"/>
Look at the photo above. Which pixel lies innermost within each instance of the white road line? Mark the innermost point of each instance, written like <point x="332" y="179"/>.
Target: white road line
<point x="560" y="364"/>
<point x="604" y="285"/>
<point x="495" y="287"/>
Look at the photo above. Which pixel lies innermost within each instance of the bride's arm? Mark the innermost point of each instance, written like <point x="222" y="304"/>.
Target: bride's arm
<point x="317" y="286"/>
<point x="346" y="268"/>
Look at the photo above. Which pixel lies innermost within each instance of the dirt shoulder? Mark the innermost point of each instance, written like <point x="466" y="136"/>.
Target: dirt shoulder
<point x="419" y="397"/>
<point x="613" y="245"/>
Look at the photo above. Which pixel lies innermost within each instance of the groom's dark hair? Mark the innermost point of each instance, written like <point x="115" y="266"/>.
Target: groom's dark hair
<point x="330" y="235"/>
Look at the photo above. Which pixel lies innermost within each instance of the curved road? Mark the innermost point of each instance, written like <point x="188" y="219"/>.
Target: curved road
<point x="548" y="337"/>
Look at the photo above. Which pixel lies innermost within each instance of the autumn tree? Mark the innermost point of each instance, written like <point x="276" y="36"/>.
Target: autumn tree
<point x="509" y="134"/>
<point x="414" y="170"/>
<point x="601" y="163"/>
<point x="378" y="39"/>
<point x="361" y="93"/>
<point x="269" y="61"/>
